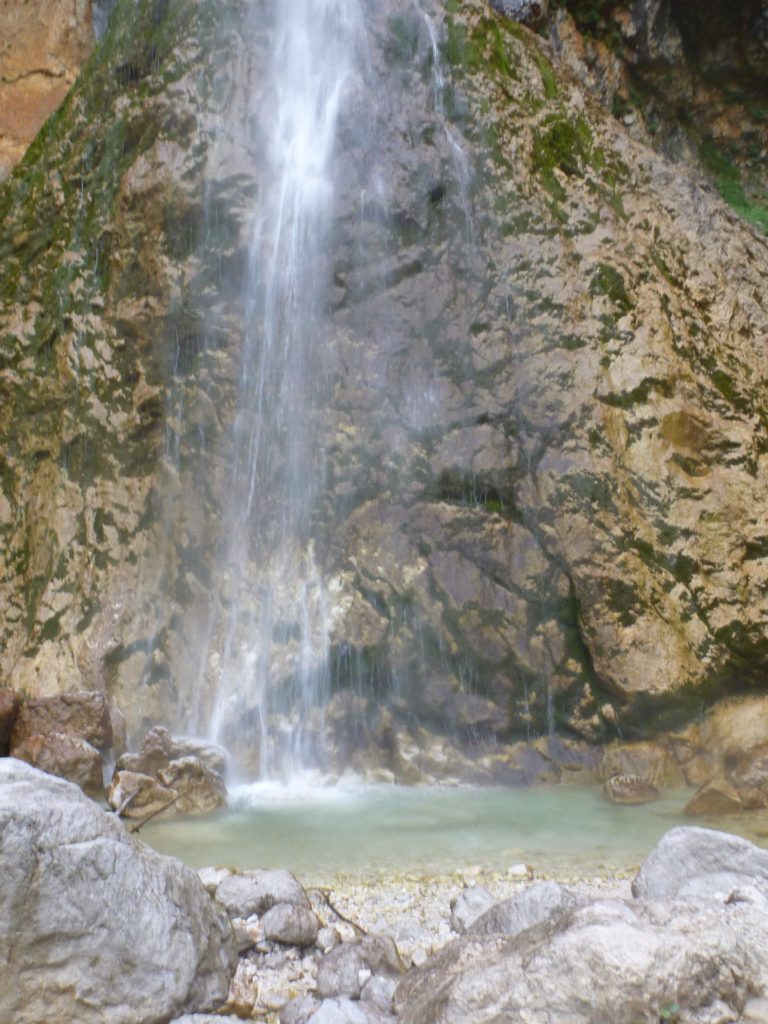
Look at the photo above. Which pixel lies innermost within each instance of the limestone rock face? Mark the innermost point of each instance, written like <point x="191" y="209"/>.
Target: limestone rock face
<point x="95" y="927"/>
<point x="554" y="515"/>
<point x="43" y="45"/>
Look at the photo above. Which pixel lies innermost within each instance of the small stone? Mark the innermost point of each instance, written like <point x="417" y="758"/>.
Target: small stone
<point x="327" y="938"/>
<point x="468" y="906"/>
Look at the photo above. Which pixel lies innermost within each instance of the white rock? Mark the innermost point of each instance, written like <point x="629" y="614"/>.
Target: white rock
<point x="96" y="928"/>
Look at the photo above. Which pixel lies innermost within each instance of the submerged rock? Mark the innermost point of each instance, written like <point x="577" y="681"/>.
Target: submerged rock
<point x="95" y="927"/>
<point x="630" y="789"/>
<point x="715" y="797"/>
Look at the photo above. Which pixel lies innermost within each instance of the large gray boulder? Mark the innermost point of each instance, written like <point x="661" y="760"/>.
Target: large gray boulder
<point x="96" y="928"/>
<point x="612" y="962"/>
<point x="534" y="904"/>
<point x="699" y="863"/>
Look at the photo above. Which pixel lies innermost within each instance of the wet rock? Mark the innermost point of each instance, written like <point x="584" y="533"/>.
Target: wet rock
<point x="630" y="789"/>
<point x="468" y="906"/>
<point x="83" y="714"/>
<point x="715" y="797"/>
<point x="539" y="902"/>
<point x="96" y="928"/>
<point x="159" y="749"/>
<point x="339" y="972"/>
<point x="138" y="796"/>
<point x="9" y="706"/>
<point x="290" y="925"/>
<point x="68" y="757"/>
<point x="256" y="892"/>
<point x="691" y="863"/>
<point x="612" y="960"/>
<point x="200" y="790"/>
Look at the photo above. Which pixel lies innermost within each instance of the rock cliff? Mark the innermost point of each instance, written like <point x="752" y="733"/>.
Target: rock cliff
<point x="544" y="444"/>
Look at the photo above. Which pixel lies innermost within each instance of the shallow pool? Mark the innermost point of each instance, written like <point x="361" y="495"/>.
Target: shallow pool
<point x="320" y="831"/>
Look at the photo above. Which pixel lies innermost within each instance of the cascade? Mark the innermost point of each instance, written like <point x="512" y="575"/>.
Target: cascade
<point x="270" y="562"/>
<point x="267" y="647"/>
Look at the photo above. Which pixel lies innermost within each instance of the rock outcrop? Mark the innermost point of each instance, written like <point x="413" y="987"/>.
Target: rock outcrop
<point x="95" y="927"/>
<point x="552" y="519"/>
<point x="689" y="947"/>
<point x="169" y="774"/>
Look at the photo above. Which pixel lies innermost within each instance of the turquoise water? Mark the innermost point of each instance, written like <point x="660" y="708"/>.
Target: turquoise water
<point x="320" y="832"/>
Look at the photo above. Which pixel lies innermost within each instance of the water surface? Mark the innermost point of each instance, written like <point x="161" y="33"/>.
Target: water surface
<point x="319" y="832"/>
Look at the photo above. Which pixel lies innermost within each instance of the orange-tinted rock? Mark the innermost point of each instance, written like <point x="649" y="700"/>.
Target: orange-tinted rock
<point x="83" y="714"/>
<point x="715" y="797"/>
<point x="43" y="45"/>
<point x="750" y="778"/>
<point x="69" y="757"/>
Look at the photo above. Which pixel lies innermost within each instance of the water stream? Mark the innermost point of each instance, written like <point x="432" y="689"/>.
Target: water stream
<point x="273" y="659"/>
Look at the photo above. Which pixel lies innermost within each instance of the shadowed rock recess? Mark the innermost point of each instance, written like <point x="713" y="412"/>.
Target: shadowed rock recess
<point x="543" y="451"/>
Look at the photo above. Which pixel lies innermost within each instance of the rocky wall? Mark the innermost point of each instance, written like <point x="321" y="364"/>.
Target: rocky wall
<point x="545" y="440"/>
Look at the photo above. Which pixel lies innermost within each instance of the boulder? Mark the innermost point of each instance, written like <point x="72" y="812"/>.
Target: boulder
<point x="200" y="789"/>
<point x="291" y="925"/>
<point x="9" y="706"/>
<point x="159" y="748"/>
<point x="630" y="789"/>
<point x="715" y="797"/>
<point x="256" y="892"/>
<point x="342" y="972"/>
<point x="614" y="961"/>
<point x="690" y="862"/>
<point x="134" y="795"/>
<point x="750" y="778"/>
<point x="96" y="928"/>
<point x="66" y="756"/>
<point x="536" y="903"/>
<point x="84" y="714"/>
<point x="468" y="906"/>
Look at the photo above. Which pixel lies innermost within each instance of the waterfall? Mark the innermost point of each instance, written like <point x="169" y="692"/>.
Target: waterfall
<point x="273" y="662"/>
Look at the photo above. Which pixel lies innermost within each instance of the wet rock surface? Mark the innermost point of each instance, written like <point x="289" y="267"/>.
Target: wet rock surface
<point x="171" y="775"/>
<point x="550" y="519"/>
<point x="96" y="927"/>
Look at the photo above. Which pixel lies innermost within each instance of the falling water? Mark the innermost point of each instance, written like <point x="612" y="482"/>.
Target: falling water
<point x="273" y="666"/>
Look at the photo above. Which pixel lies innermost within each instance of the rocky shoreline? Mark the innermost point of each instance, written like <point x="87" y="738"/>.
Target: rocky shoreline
<point x="96" y="928"/>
